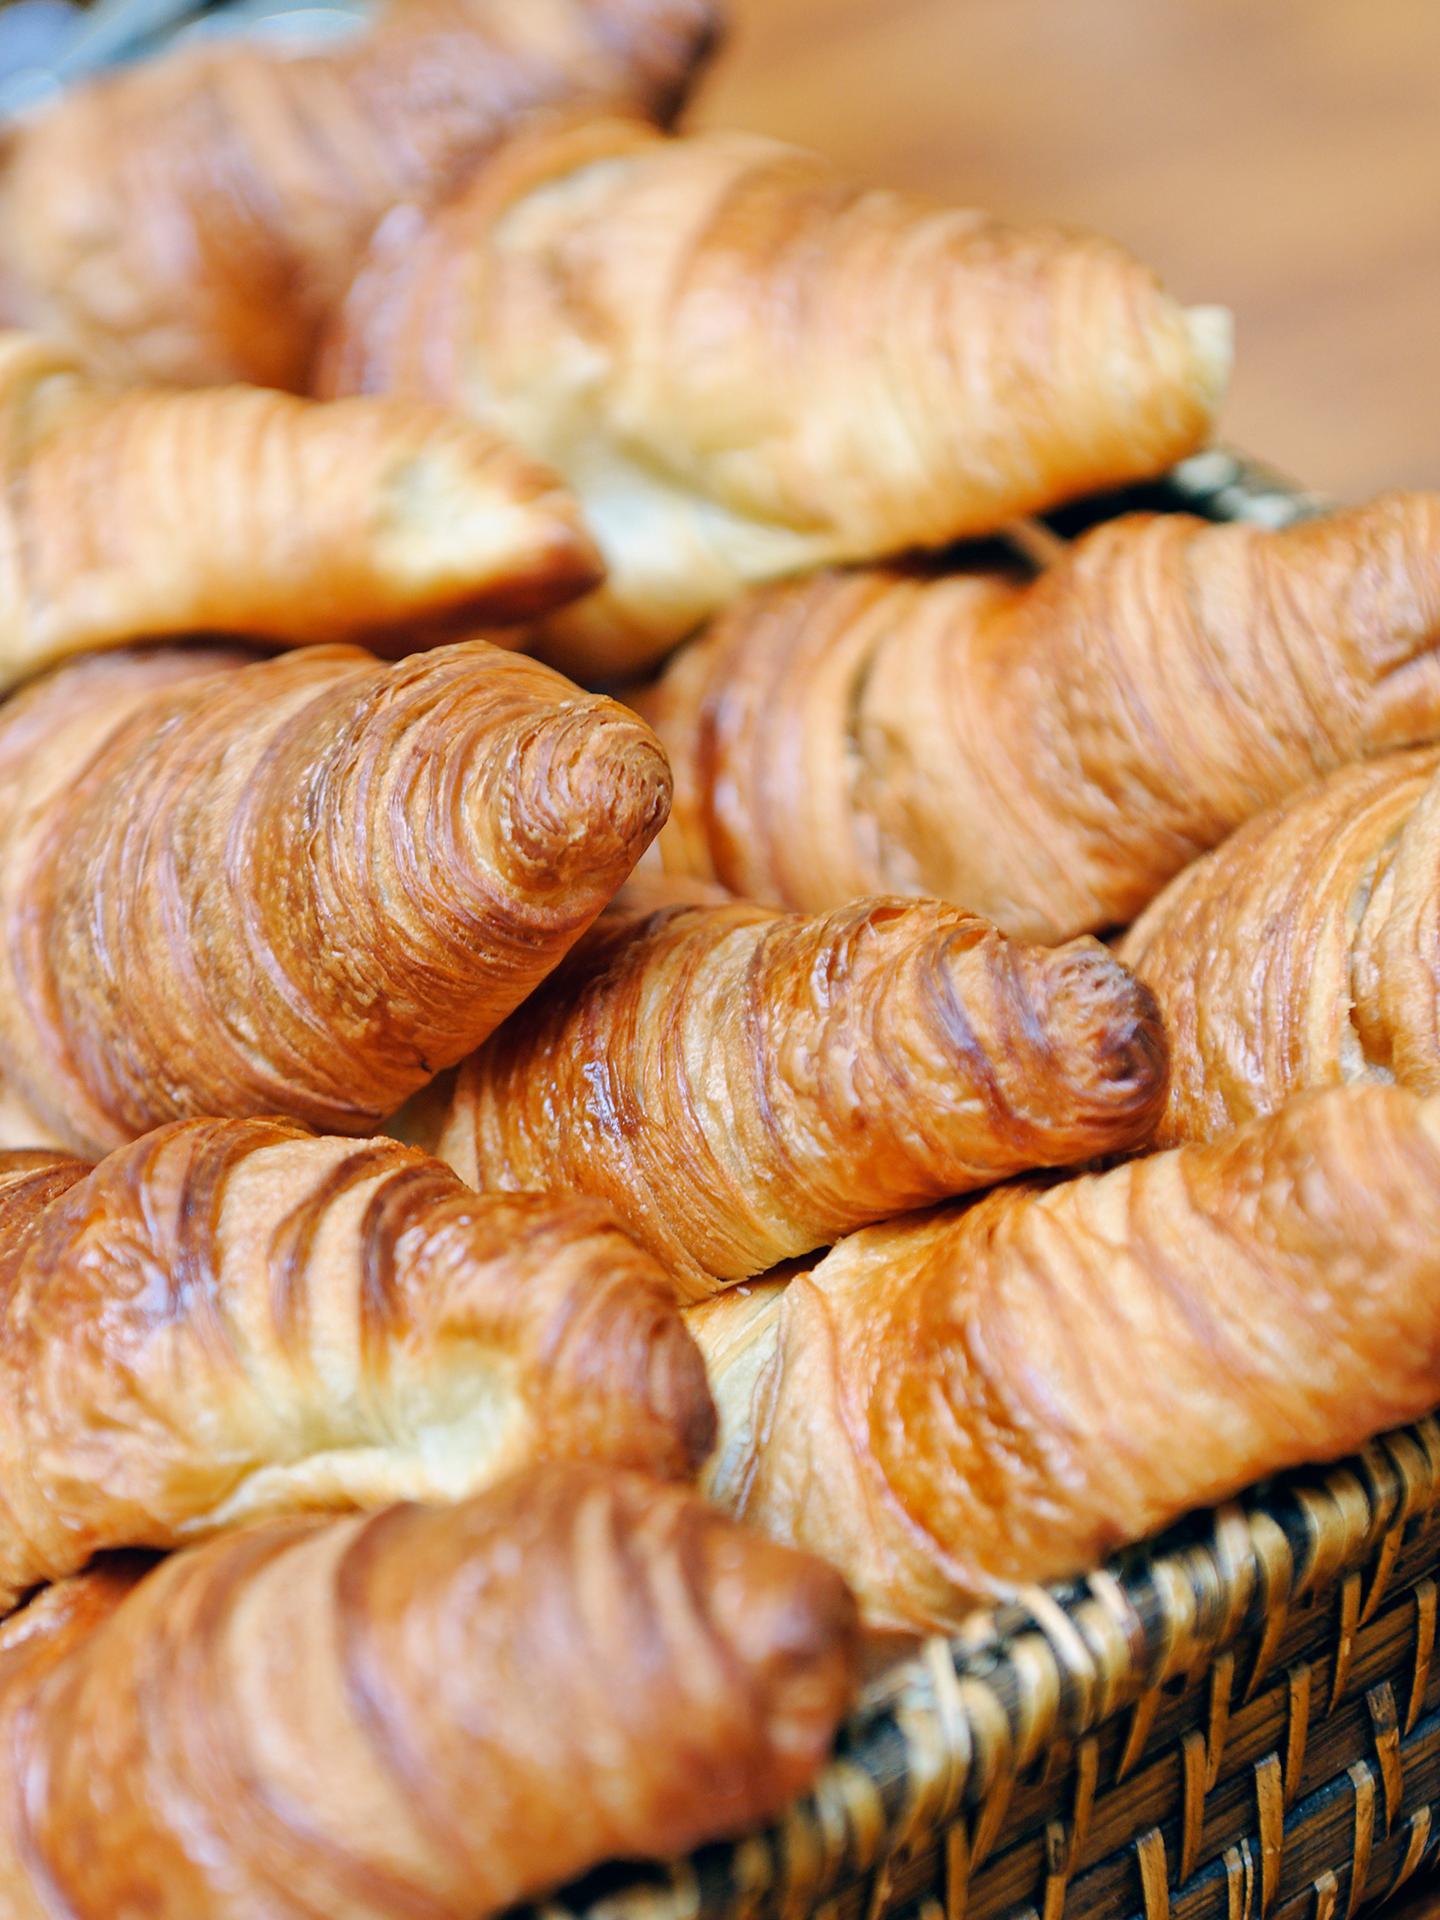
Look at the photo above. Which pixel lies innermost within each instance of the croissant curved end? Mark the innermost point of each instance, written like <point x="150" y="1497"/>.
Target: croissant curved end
<point x="1113" y="1024"/>
<point x="447" y="531"/>
<point x="593" y="792"/>
<point x="1212" y="340"/>
<point x="794" y="1624"/>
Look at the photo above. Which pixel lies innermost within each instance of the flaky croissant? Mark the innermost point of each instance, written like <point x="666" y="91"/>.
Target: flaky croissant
<point x="131" y="513"/>
<point x="431" y="1712"/>
<point x="195" y="218"/>
<point x="234" y="1319"/>
<point x="746" y="367"/>
<point x="301" y="885"/>
<point x="744" y="1086"/>
<point x="1305" y="951"/>
<point x="1047" y="753"/>
<point x="951" y="1406"/>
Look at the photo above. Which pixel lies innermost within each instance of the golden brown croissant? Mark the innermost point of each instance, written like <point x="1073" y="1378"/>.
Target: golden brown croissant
<point x="195" y="218"/>
<point x="746" y="368"/>
<point x="1305" y="951"/>
<point x="744" y="1086"/>
<point x="301" y="885"/>
<point x="950" y="1406"/>
<point x="1047" y="753"/>
<point x="132" y="513"/>
<point x="426" y="1712"/>
<point x="233" y="1319"/>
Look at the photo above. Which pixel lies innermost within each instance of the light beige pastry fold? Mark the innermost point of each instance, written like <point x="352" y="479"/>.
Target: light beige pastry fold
<point x="743" y="1086"/>
<point x="433" y="1712"/>
<point x="1050" y="752"/>
<point x="953" y="1406"/>
<point x="20" y="1129"/>
<point x="135" y="513"/>
<point x="195" y="217"/>
<point x="230" y="1320"/>
<point x="1305" y="951"/>
<point x="302" y="885"/>
<point x="747" y="367"/>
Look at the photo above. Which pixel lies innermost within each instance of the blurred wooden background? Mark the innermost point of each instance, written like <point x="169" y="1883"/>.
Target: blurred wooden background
<point x="1280" y="156"/>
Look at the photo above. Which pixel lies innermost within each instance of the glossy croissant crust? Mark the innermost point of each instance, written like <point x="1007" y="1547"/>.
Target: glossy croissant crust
<point x="1305" y="951"/>
<point x="746" y="367"/>
<point x="234" y="1319"/>
<point x="952" y="1406"/>
<point x="1048" y="753"/>
<point x="132" y="513"/>
<point x="301" y="885"/>
<point x="430" y="1711"/>
<point x="195" y="217"/>
<point x="743" y="1086"/>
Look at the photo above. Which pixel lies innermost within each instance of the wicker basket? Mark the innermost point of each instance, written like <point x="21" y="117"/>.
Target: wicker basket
<point x="1239" y="1722"/>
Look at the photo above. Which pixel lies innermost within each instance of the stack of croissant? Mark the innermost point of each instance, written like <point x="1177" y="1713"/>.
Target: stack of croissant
<point x="534" y="1209"/>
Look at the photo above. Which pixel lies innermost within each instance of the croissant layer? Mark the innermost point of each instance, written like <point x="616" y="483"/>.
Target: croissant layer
<point x="744" y="1086"/>
<point x="953" y="1406"/>
<point x="1304" y="952"/>
<point x="359" y="1719"/>
<point x="234" y="1319"/>
<point x="195" y="217"/>
<point x="298" y="885"/>
<point x="746" y="367"/>
<point x="1048" y="753"/>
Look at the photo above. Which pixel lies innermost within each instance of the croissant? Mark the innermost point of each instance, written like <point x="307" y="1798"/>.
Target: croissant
<point x="233" y="1319"/>
<point x="1304" y="952"/>
<point x="746" y="368"/>
<point x="134" y="513"/>
<point x="195" y="218"/>
<point x="1047" y="753"/>
<point x="951" y="1406"/>
<point x="299" y="885"/>
<point x="317" y="1721"/>
<point x="744" y="1086"/>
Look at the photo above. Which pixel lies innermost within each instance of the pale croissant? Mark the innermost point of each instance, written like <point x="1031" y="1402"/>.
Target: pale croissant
<point x="132" y="513"/>
<point x="432" y="1712"/>
<point x="954" y="1406"/>
<point x="234" y="1319"/>
<point x="301" y="885"/>
<point x="1305" y="951"/>
<point x="194" y="218"/>
<point x="744" y="1086"/>
<point x="746" y="367"/>
<point x="1047" y="753"/>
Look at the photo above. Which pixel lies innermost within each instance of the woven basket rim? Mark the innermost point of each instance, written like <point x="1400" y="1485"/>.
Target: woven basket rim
<point x="940" y="1732"/>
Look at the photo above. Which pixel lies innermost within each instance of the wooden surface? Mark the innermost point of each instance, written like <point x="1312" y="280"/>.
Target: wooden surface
<point x="1279" y="156"/>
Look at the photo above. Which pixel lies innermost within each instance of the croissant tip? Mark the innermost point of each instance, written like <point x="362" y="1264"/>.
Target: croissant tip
<point x="504" y="547"/>
<point x="598" y="792"/>
<point x="1212" y="342"/>
<point x="1117" y="1021"/>
<point x="675" y="39"/>
<point x="795" y="1626"/>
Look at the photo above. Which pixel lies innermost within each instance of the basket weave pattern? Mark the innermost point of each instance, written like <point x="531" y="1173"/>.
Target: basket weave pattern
<point x="1241" y="1723"/>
